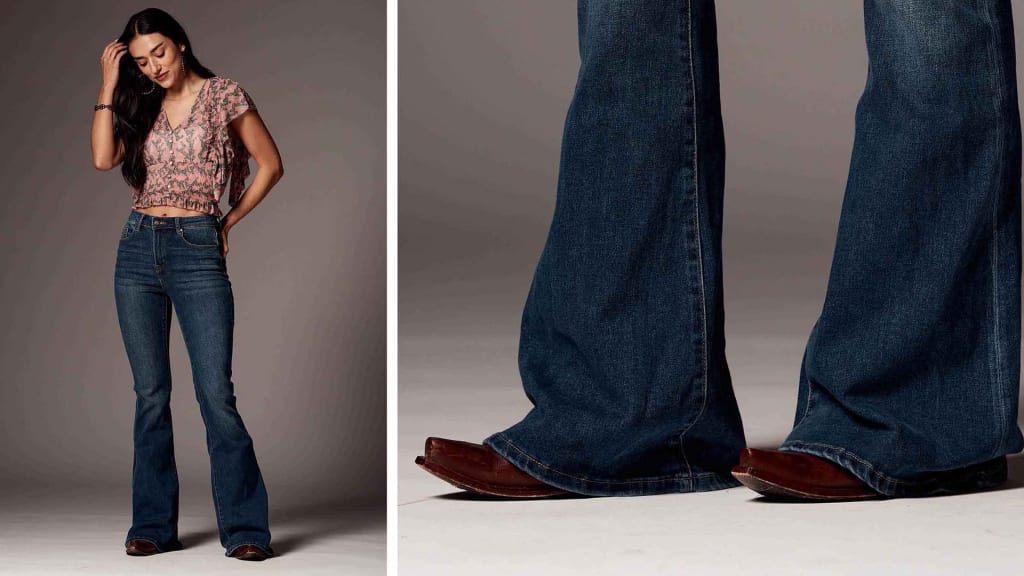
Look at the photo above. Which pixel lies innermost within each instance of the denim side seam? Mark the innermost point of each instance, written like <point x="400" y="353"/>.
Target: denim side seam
<point x="703" y="331"/>
<point x="808" y="403"/>
<point x="805" y="380"/>
<point x="703" y="482"/>
<point x="217" y="503"/>
<point x="999" y="184"/>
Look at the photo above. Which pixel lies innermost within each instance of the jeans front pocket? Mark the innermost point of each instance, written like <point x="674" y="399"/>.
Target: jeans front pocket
<point x="200" y="235"/>
<point x="128" y="230"/>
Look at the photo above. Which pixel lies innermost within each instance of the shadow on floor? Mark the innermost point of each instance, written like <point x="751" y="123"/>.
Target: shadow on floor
<point x="304" y="524"/>
<point x="464" y="495"/>
<point x="190" y="539"/>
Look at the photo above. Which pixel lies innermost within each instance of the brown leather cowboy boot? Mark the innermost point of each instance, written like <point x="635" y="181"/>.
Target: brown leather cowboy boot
<point x="479" y="469"/>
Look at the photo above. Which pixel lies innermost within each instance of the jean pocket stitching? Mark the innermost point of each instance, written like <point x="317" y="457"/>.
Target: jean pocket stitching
<point x="127" y="231"/>
<point x="184" y="238"/>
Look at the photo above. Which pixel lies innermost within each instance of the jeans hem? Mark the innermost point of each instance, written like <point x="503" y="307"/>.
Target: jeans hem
<point x="265" y="547"/>
<point x="172" y="545"/>
<point x="644" y="486"/>
<point x="980" y="476"/>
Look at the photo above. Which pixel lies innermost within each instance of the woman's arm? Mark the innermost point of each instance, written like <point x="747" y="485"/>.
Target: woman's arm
<point x="257" y="140"/>
<point x="106" y="153"/>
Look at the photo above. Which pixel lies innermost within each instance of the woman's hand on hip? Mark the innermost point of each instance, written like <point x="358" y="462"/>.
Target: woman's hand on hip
<point x="224" y="239"/>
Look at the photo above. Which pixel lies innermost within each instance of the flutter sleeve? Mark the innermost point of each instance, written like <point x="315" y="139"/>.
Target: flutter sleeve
<point x="234" y="102"/>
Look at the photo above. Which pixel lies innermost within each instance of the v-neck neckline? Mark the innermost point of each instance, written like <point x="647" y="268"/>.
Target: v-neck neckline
<point x="191" y="110"/>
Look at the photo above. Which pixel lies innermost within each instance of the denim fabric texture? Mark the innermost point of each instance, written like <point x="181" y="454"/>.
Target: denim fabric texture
<point x="911" y="368"/>
<point x="175" y="263"/>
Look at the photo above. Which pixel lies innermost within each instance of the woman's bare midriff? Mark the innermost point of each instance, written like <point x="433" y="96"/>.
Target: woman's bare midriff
<point x="169" y="211"/>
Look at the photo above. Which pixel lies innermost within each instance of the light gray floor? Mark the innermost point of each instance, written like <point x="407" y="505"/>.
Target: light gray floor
<point x="466" y="386"/>
<point x="53" y="530"/>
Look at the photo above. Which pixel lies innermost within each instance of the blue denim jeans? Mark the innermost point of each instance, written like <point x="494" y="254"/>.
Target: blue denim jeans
<point x="176" y="263"/>
<point x="911" y="369"/>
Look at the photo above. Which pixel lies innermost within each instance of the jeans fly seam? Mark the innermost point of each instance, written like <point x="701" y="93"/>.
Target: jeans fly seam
<point x="688" y="478"/>
<point x="700" y="257"/>
<point x="156" y="258"/>
<point x="996" y="196"/>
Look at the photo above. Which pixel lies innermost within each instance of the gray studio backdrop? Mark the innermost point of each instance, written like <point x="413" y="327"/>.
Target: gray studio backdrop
<point x="307" y="265"/>
<point x="484" y="88"/>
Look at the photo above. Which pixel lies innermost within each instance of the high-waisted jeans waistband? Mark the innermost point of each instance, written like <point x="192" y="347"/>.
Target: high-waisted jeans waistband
<point x="139" y="219"/>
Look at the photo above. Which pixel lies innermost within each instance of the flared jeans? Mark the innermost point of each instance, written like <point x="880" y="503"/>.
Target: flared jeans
<point x="911" y="368"/>
<point x="175" y="263"/>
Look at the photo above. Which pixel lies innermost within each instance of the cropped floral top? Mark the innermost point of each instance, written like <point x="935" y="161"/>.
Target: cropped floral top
<point x="188" y="166"/>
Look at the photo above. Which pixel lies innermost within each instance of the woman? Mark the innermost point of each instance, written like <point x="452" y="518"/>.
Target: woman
<point x="179" y="134"/>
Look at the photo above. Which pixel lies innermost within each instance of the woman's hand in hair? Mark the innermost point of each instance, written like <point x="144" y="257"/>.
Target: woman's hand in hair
<point x="110" y="61"/>
<point x="106" y="152"/>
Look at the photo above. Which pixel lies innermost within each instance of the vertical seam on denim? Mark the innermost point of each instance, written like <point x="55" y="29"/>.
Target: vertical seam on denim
<point x="174" y="468"/>
<point x="994" y="39"/>
<point x="156" y="257"/>
<point x="213" y="478"/>
<point x="700" y="257"/>
<point x="166" y="349"/>
<point x="806" y="381"/>
<point x="135" y="470"/>
<point x="166" y="333"/>
<point x="807" y="402"/>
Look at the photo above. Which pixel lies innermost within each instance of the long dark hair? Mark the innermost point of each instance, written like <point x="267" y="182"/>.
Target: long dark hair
<point x="135" y="112"/>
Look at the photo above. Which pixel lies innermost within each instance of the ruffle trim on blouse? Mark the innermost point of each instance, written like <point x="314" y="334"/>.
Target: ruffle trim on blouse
<point x="205" y="206"/>
<point x="235" y="101"/>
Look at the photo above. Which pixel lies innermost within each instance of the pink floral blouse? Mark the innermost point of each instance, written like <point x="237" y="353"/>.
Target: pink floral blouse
<point x="188" y="166"/>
